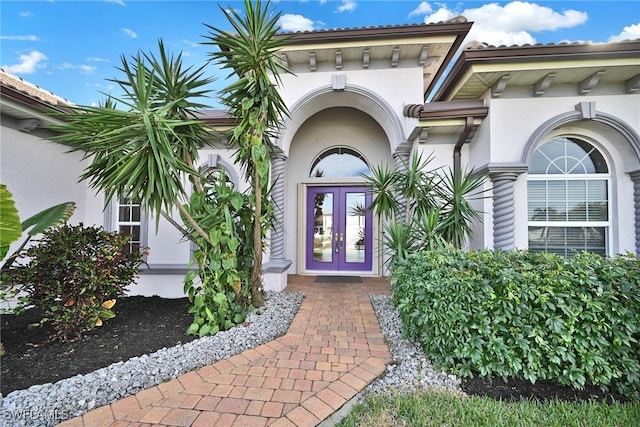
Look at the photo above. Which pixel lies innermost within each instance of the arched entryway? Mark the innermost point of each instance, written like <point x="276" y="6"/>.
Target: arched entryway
<point x="333" y="232"/>
<point x="355" y="118"/>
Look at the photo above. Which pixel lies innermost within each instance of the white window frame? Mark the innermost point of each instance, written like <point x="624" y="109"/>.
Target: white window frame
<point x="607" y="225"/>
<point x="113" y="223"/>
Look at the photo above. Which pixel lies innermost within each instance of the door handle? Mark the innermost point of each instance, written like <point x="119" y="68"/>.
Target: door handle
<point x="337" y="246"/>
<point x="341" y="240"/>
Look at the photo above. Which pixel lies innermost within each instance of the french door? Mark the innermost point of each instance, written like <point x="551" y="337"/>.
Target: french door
<point x="339" y="229"/>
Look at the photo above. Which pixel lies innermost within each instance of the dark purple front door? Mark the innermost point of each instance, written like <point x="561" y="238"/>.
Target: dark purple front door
<point x="339" y="229"/>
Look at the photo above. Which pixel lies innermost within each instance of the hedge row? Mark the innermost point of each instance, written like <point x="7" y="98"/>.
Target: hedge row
<point x="522" y="314"/>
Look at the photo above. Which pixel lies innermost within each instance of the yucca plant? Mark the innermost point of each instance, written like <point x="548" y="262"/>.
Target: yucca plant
<point x="424" y="208"/>
<point x="250" y="53"/>
<point x="143" y="150"/>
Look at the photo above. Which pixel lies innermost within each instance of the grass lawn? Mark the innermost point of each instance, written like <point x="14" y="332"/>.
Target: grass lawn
<point x="437" y="409"/>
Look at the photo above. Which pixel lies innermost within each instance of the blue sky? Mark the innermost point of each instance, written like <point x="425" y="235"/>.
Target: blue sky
<point x="71" y="47"/>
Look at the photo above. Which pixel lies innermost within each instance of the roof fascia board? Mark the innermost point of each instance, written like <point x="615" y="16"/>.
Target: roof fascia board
<point x="350" y="44"/>
<point x="30" y="110"/>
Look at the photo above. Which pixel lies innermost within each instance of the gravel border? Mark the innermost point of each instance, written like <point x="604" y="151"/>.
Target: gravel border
<point x="47" y="404"/>
<point x="411" y="370"/>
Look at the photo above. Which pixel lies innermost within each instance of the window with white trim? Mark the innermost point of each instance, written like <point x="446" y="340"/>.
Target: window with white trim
<point x="339" y="162"/>
<point x="568" y="191"/>
<point x="130" y="222"/>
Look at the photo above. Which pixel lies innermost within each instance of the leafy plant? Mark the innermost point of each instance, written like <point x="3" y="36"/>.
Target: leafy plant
<point x="74" y="274"/>
<point x="530" y="315"/>
<point x="11" y="230"/>
<point x="424" y="208"/>
<point x="221" y="292"/>
<point x="251" y="55"/>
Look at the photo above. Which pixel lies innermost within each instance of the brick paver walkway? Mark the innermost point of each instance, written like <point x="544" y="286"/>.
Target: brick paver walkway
<point x="333" y="349"/>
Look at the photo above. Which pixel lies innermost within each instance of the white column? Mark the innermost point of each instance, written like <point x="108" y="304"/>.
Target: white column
<point x="274" y="270"/>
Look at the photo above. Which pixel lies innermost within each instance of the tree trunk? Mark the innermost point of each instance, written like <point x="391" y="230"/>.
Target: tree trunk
<point x="257" y="296"/>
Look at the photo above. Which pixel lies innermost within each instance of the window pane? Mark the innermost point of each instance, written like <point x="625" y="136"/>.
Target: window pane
<point x="124" y="213"/>
<point x="135" y="213"/>
<point x="567" y="241"/>
<point x="578" y="212"/>
<point x="567" y="156"/>
<point x="339" y="162"/>
<point x="597" y="190"/>
<point x="598" y="211"/>
<point x="355" y="226"/>
<point x="557" y="200"/>
<point x="323" y="227"/>
<point x="538" y="164"/>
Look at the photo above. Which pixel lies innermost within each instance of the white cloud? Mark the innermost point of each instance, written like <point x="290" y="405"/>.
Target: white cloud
<point x="291" y="22"/>
<point x="26" y="14"/>
<point x="511" y="23"/>
<point x="120" y="2"/>
<point x="29" y="63"/>
<point x="631" y="32"/>
<point x="191" y="43"/>
<point x="130" y="33"/>
<point x="85" y="69"/>
<point x="423" y="8"/>
<point x="27" y="38"/>
<point x="440" y="15"/>
<point x="323" y="1"/>
<point x="97" y="59"/>
<point x="347" y="6"/>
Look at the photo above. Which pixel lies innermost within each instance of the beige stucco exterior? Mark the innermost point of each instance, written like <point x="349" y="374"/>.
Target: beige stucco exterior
<point x="376" y="107"/>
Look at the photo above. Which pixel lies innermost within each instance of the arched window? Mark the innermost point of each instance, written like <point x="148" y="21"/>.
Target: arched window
<point x="568" y="198"/>
<point x="217" y="169"/>
<point x="339" y="162"/>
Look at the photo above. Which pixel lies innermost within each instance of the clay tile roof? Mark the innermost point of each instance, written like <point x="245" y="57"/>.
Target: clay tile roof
<point x="26" y="88"/>
<point x="455" y="20"/>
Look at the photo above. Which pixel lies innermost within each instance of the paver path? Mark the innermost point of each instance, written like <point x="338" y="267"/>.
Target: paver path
<point x="333" y="349"/>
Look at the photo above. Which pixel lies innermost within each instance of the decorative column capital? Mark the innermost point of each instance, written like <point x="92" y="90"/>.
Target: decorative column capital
<point x="403" y="150"/>
<point x="635" y="175"/>
<point x="502" y="171"/>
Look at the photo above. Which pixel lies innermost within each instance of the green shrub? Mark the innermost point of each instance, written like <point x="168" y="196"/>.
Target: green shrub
<point x="523" y="314"/>
<point x="74" y="274"/>
<point x="220" y="292"/>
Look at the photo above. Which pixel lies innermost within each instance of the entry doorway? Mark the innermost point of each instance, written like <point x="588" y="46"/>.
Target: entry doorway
<point x="339" y="229"/>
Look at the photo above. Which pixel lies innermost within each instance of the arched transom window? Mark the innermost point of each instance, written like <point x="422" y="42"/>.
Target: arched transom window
<point x="339" y="162"/>
<point x="568" y="198"/>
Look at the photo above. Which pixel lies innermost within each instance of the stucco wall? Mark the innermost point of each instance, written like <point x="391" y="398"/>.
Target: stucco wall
<point x="40" y="174"/>
<point x="514" y="121"/>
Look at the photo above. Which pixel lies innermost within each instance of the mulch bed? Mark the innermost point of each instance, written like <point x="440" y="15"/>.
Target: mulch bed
<point x="146" y="324"/>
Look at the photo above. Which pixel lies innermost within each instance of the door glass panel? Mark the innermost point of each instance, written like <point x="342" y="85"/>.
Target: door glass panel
<point x="355" y="225"/>
<point x="323" y="227"/>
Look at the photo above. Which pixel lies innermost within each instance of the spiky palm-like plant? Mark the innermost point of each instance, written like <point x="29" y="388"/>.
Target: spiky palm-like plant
<point x="250" y="52"/>
<point x="144" y="150"/>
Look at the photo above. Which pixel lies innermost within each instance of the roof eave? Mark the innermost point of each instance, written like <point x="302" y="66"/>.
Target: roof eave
<point x="541" y="53"/>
